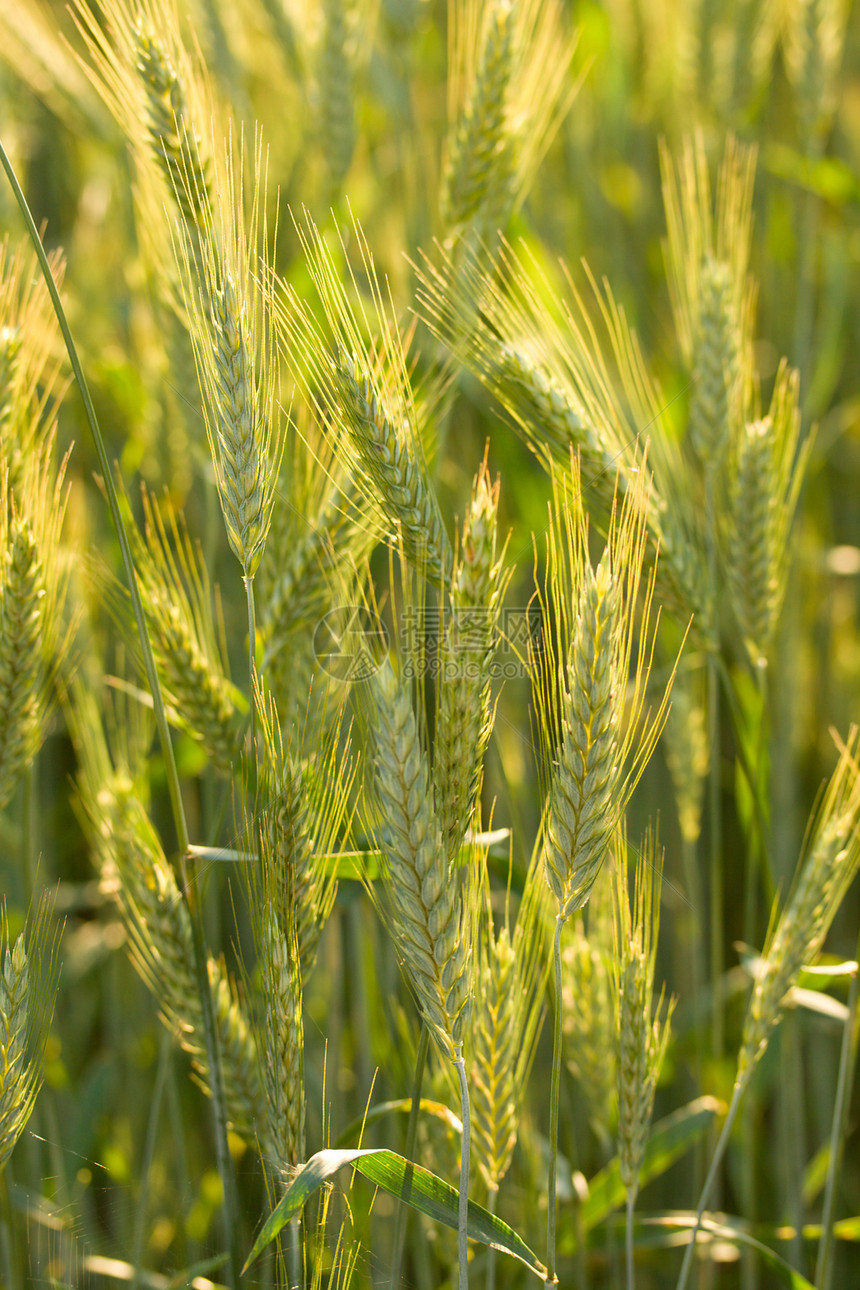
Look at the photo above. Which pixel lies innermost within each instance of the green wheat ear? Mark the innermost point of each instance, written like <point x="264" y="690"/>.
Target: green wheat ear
<point x="29" y="973"/>
<point x="353" y="369"/>
<point x="231" y="333"/>
<point x="590" y="686"/>
<point x="642" y="1026"/>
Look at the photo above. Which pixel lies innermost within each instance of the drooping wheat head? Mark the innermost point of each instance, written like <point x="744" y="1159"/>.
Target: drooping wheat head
<point x="134" y="869"/>
<point x="189" y="651"/>
<point x="796" y="934"/>
<point x="355" y="372"/>
<point x="642" y="1027"/>
<point x="28" y="987"/>
<point x="568" y="389"/>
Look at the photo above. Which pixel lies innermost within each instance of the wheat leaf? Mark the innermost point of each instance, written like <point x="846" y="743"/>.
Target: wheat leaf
<point x="418" y="1187"/>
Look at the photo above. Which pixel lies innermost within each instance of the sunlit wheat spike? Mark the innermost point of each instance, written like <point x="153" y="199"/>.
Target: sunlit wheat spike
<point x="642" y="1027"/>
<point x="590" y="687"/>
<point x="826" y="870"/>
<point x="33" y="587"/>
<point x="382" y="444"/>
<point x="589" y="1009"/>
<point x="173" y="137"/>
<point x="304" y="815"/>
<point x="510" y="968"/>
<point x="716" y="367"/>
<point x="284" y="1048"/>
<point x="177" y="598"/>
<point x="813" y="40"/>
<point x="353" y="368"/>
<point x="766" y="474"/>
<point x="427" y="902"/>
<point x="478" y="167"/>
<point x="161" y="98"/>
<point x="28" y="987"/>
<point x="687" y="755"/>
<point x="464" y="713"/>
<point x="231" y="334"/>
<point x="335" y="88"/>
<point x="509" y="87"/>
<point x="28" y="363"/>
<point x="572" y="377"/>
<point x="135" y="870"/>
<point x="702" y="228"/>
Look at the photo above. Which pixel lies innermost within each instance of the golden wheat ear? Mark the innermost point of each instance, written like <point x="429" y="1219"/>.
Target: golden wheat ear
<point x="590" y="685"/>
<point x="353" y="368"/>
<point x="29" y="973"/>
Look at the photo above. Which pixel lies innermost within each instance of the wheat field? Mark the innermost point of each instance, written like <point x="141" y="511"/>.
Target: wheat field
<point x="429" y="656"/>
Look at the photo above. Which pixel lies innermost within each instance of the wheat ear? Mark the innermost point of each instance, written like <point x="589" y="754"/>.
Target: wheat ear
<point x="428" y="911"/>
<point x="464" y="713"/>
<point x="28" y="987"/>
<point x="765" y="476"/>
<point x="827" y="868"/>
<point x="32" y="593"/>
<point x="478" y="168"/>
<point x="510" y="971"/>
<point x="589" y="1009"/>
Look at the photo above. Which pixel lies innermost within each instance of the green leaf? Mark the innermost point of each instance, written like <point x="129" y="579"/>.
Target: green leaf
<point x="411" y="1183"/>
<point x="401" y="1106"/>
<point x="670" y="1138"/>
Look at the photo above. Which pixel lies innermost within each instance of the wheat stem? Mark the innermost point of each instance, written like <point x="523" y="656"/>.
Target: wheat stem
<point x="555" y="1087"/>
<point x="174" y="790"/>
<point x="463" y="1199"/>
<point x="716" y="1161"/>
<point x="402" y="1214"/>
<point x="628" y="1239"/>
<point x="838" y="1132"/>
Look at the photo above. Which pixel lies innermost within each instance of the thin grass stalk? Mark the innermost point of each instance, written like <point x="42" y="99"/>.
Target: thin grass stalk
<point x="555" y="1086"/>
<point x="174" y="789"/>
<point x="716" y="1161"/>
<point x="402" y="1215"/>
<point x="463" y="1198"/>
<point x="252" y="663"/>
<point x="714" y="786"/>
<point x="838" y="1132"/>
<point x="628" y="1239"/>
